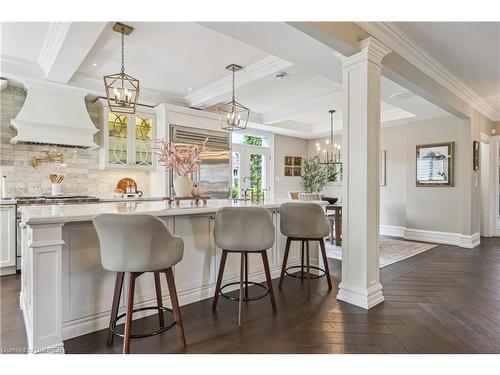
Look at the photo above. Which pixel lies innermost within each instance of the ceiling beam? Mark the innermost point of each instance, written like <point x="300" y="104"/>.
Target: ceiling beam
<point x="407" y="49"/>
<point x="212" y="93"/>
<point x="285" y="41"/>
<point x="65" y="47"/>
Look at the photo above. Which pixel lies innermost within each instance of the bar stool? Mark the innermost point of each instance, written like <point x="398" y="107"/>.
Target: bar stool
<point x="304" y="222"/>
<point x="244" y="230"/>
<point x="135" y="244"/>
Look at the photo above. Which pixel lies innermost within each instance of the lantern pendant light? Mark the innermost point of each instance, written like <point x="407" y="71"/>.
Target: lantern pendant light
<point x="233" y="115"/>
<point x="122" y="90"/>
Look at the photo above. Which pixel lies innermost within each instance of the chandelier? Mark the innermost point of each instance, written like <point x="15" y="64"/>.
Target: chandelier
<point x="233" y="115"/>
<point x="330" y="154"/>
<point x="122" y="90"/>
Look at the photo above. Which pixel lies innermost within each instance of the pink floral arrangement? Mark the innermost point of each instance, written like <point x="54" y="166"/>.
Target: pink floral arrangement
<point x="183" y="159"/>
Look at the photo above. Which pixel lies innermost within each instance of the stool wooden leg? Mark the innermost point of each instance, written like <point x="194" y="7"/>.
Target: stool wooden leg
<point x="175" y="307"/>
<point x="116" y="304"/>
<point x="240" y="302"/>
<point x="268" y="278"/>
<point x="219" y="279"/>
<point x="285" y="259"/>
<point x="302" y="261"/>
<point x="308" y="269"/>
<point x="130" y="308"/>
<point x="159" y="299"/>
<point x="246" y="275"/>
<point x="325" y="263"/>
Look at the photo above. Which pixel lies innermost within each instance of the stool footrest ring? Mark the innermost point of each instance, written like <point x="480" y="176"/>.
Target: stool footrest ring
<point x="246" y="283"/>
<point x="142" y="335"/>
<point x="303" y="274"/>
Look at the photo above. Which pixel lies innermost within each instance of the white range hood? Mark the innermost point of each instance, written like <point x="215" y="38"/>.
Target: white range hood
<point x="54" y="115"/>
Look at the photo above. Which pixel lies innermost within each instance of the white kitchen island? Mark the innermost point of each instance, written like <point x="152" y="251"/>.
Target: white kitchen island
<point x="65" y="292"/>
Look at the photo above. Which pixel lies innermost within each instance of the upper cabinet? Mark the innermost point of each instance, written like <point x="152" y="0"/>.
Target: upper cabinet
<point x="127" y="140"/>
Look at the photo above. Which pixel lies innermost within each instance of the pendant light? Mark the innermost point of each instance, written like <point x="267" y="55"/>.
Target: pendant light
<point x="122" y="90"/>
<point x="331" y="152"/>
<point x="233" y="115"/>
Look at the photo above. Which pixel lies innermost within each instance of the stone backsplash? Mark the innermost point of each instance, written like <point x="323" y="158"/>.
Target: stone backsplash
<point x="81" y="171"/>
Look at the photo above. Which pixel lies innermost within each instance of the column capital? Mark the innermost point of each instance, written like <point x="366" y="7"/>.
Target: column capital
<point x="370" y="50"/>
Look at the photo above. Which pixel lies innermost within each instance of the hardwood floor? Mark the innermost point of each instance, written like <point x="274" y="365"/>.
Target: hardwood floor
<point x="445" y="300"/>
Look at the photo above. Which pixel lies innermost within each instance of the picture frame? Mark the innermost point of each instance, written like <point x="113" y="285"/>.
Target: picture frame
<point x="382" y="176"/>
<point x="434" y="165"/>
<point x="297" y="161"/>
<point x="288" y="172"/>
<point x="288" y="161"/>
<point x="297" y="171"/>
<point x="475" y="155"/>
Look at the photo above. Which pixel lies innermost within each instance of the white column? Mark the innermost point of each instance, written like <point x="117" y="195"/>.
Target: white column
<point x="360" y="284"/>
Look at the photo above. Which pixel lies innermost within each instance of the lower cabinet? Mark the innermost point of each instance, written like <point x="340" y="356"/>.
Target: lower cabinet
<point x="7" y="239"/>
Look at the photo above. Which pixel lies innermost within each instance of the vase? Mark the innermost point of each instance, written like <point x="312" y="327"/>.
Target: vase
<point x="183" y="186"/>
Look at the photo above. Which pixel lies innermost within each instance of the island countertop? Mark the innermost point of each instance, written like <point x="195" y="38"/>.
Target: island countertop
<point x="44" y="214"/>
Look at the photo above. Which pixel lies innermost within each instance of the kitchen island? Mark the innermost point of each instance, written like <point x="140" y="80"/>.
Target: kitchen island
<point x="65" y="292"/>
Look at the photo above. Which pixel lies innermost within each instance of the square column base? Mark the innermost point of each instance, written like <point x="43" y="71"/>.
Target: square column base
<point x="362" y="297"/>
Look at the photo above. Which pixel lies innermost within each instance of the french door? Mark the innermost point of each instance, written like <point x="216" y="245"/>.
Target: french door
<point x="250" y="171"/>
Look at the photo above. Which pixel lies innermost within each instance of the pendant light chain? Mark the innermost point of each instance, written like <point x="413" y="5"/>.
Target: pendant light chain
<point x="123" y="53"/>
<point x="233" y="86"/>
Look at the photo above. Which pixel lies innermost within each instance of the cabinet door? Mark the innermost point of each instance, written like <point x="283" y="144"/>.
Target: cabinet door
<point x="7" y="236"/>
<point x="143" y="141"/>
<point x="118" y="140"/>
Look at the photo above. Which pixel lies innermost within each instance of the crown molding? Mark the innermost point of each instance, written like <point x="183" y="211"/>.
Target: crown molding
<point x="54" y="39"/>
<point x="205" y="96"/>
<point x="399" y="42"/>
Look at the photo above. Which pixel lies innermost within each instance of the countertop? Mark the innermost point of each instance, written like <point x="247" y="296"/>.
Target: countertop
<point x="84" y="212"/>
<point x="7" y="201"/>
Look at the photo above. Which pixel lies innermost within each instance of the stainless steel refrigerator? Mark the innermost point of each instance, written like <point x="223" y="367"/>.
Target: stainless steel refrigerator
<point x="214" y="176"/>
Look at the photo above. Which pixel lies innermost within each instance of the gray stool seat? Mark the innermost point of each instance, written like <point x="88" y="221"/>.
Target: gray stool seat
<point x="244" y="230"/>
<point x="304" y="222"/>
<point x="135" y="244"/>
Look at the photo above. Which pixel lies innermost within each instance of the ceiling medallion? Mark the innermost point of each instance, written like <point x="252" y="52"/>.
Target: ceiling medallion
<point x="122" y="90"/>
<point x="233" y="115"/>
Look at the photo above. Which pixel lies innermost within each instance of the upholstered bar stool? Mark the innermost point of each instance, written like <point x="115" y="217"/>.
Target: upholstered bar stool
<point x="134" y="244"/>
<point x="244" y="230"/>
<point x="304" y="222"/>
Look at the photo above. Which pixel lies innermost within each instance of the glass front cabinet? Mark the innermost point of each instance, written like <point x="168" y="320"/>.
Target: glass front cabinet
<point x="127" y="140"/>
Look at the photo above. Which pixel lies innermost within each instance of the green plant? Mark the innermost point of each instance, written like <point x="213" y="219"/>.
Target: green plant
<point x="314" y="175"/>
<point x="334" y="172"/>
<point x="235" y="191"/>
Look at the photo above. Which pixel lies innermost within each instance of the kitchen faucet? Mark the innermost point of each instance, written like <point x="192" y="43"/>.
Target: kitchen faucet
<point x="245" y="190"/>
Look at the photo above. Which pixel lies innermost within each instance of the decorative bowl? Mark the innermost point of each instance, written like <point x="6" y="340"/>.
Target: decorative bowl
<point x="330" y="200"/>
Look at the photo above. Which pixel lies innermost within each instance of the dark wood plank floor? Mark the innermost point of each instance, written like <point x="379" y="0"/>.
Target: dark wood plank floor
<point x="445" y="300"/>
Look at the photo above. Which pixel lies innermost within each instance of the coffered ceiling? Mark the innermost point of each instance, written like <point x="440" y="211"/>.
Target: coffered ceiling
<point x="184" y="63"/>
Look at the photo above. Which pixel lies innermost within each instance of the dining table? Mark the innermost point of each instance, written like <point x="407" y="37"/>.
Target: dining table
<point x="337" y="208"/>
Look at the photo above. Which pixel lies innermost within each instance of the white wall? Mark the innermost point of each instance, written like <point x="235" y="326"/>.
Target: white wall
<point x="286" y="146"/>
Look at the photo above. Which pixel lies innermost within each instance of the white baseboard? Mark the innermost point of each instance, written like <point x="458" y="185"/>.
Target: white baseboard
<point x="448" y="238"/>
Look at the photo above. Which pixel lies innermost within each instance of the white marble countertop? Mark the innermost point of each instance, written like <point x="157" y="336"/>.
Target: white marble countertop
<point x="132" y="199"/>
<point x="7" y="201"/>
<point x="44" y="214"/>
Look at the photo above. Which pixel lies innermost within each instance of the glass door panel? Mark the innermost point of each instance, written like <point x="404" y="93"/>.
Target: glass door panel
<point x="118" y="138"/>
<point x="143" y="140"/>
<point x="250" y="172"/>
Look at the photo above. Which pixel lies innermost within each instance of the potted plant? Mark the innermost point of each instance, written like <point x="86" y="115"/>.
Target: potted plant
<point x="314" y="175"/>
<point x="182" y="159"/>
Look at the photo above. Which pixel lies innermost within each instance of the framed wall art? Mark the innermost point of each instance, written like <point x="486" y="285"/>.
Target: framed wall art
<point x="288" y="172"/>
<point x="288" y="161"/>
<point x="435" y="164"/>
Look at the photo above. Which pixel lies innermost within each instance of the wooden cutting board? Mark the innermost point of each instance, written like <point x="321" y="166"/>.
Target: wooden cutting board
<point x="122" y="184"/>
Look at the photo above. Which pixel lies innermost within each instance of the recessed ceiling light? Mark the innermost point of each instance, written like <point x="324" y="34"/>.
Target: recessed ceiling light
<point x="94" y="64"/>
<point x="280" y="75"/>
<point x="190" y="89"/>
<point x="402" y="95"/>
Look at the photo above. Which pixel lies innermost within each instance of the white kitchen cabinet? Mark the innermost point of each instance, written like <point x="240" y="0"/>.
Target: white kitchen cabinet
<point x="127" y="140"/>
<point x="7" y="239"/>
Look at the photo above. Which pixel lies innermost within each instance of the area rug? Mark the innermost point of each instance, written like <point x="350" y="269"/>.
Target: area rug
<point x="391" y="250"/>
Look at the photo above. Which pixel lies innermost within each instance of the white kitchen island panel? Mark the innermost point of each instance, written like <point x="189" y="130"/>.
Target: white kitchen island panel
<point x="65" y="292"/>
